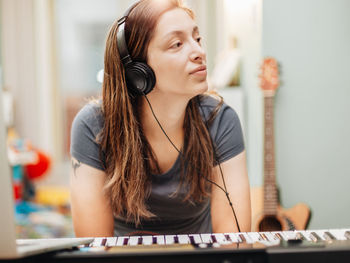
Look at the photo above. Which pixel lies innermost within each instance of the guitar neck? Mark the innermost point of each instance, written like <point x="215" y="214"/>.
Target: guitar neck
<point x="270" y="189"/>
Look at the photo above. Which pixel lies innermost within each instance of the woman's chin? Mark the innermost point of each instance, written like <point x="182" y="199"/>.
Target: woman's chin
<point x="202" y="87"/>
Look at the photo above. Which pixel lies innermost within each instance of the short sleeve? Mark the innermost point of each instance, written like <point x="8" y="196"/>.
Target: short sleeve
<point x="225" y="130"/>
<point x="85" y="127"/>
<point x="229" y="140"/>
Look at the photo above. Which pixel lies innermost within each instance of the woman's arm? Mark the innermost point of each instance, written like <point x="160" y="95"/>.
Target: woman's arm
<point x="237" y="183"/>
<point x="91" y="212"/>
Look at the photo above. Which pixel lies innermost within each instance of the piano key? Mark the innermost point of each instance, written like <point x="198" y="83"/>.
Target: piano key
<point x="242" y="237"/>
<point x="160" y="240"/>
<point x="278" y="235"/>
<point x="338" y="233"/>
<point x="315" y="237"/>
<point x="290" y="234"/>
<point x="329" y="236"/>
<point x="147" y="240"/>
<point x="195" y="239"/>
<point x="234" y="238"/>
<point x="248" y="239"/>
<point x="121" y="241"/>
<point x="169" y="239"/>
<point x="300" y="236"/>
<point x="321" y="233"/>
<point x="139" y="241"/>
<point x="97" y="242"/>
<point x="133" y="240"/>
<point x="263" y="236"/>
<point x="220" y="238"/>
<point x="213" y="238"/>
<point x="183" y="239"/>
<point x="306" y="234"/>
<point x="255" y="236"/>
<point x="111" y="241"/>
<point x="206" y="238"/>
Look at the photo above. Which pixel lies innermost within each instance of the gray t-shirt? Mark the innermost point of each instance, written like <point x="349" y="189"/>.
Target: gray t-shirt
<point x="173" y="215"/>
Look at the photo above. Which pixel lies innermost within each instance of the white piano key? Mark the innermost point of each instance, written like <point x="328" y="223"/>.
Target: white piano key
<point x="254" y="236"/>
<point x="290" y="234"/>
<point x="196" y="238"/>
<point x="111" y="241"/>
<point x="248" y="239"/>
<point x="169" y="239"/>
<point x="147" y="240"/>
<point x="120" y="241"/>
<point x="234" y="238"/>
<point x="133" y="240"/>
<point x="97" y="242"/>
<point x="221" y="239"/>
<point x="321" y="233"/>
<point x="160" y="239"/>
<point x="338" y="233"/>
<point x="183" y="239"/>
<point x="206" y="238"/>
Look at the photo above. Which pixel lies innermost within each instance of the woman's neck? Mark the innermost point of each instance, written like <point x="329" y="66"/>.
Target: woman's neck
<point x="170" y="112"/>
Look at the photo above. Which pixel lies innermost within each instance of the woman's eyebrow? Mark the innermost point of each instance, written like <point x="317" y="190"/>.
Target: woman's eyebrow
<point x="195" y="30"/>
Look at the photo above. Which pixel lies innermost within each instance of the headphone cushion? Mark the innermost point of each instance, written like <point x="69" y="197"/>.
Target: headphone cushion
<point x="140" y="78"/>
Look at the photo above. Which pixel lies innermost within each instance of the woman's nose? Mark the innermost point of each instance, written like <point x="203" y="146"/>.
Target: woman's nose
<point x="197" y="52"/>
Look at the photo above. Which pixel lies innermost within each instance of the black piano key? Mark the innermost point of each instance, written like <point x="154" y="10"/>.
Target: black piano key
<point x="154" y="240"/>
<point x="228" y="238"/>
<point x="139" y="241"/>
<point x="125" y="242"/>
<point x="214" y="239"/>
<point x="328" y="236"/>
<point x="242" y="238"/>
<point x="176" y="239"/>
<point x="263" y="237"/>
<point x="315" y="237"/>
<point x="347" y="235"/>
<point x="278" y="236"/>
<point x="192" y="240"/>
<point x="103" y="242"/>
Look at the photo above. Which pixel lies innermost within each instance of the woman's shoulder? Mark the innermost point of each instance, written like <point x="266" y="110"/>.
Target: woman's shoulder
<point x="213" y="102"/>
<point x="90" y="116"/>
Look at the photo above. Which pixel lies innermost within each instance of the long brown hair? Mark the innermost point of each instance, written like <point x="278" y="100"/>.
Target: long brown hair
<point x="128" y="155"/>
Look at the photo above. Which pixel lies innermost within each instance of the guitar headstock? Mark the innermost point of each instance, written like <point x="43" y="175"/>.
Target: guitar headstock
<point x="269" y="77"/>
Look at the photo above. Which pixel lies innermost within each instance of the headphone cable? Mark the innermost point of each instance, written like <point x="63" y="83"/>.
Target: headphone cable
<point x="212" y="143"/>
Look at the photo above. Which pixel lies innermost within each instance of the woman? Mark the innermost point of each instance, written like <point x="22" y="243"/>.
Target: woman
<point x="146" y="163"/>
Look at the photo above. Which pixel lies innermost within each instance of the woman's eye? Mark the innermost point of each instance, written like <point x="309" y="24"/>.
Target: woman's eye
<point x="176" y="45"/>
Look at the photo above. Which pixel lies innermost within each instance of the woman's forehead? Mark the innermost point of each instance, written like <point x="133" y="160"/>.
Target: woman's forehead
<point x="174" y="21"/>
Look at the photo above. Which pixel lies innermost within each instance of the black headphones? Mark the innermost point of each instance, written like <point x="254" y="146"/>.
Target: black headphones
<point x="140" y="78"/>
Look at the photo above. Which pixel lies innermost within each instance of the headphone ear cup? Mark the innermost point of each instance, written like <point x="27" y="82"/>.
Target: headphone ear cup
<point x="140" y="78"/>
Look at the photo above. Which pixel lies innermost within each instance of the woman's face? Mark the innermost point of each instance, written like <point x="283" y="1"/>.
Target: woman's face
<point x="176" y="55"/>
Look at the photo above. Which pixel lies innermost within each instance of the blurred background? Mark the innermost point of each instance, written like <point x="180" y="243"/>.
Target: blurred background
<point x="51" y="57"/>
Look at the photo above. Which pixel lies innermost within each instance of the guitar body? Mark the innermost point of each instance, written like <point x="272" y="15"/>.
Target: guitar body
<point x="295" y="218"/>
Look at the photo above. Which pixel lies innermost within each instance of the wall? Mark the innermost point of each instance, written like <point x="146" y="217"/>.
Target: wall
<point x="311" y="40"/>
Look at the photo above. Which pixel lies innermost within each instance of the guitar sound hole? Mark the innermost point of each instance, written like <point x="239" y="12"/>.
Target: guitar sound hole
<point x="270" y="223"/>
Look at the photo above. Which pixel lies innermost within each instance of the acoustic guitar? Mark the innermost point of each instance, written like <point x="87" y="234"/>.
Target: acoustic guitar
<point x="267" y="214"/>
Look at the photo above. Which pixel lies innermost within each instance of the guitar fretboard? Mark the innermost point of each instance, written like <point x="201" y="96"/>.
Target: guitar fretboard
<point x="270" y="190"/>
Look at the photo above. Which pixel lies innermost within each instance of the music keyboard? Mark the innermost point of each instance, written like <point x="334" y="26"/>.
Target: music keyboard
<point x="330" y="245"/>
<point x="217" y="240"/>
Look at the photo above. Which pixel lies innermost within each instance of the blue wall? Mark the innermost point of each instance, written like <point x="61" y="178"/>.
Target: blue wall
<point x="311" y="40"/>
